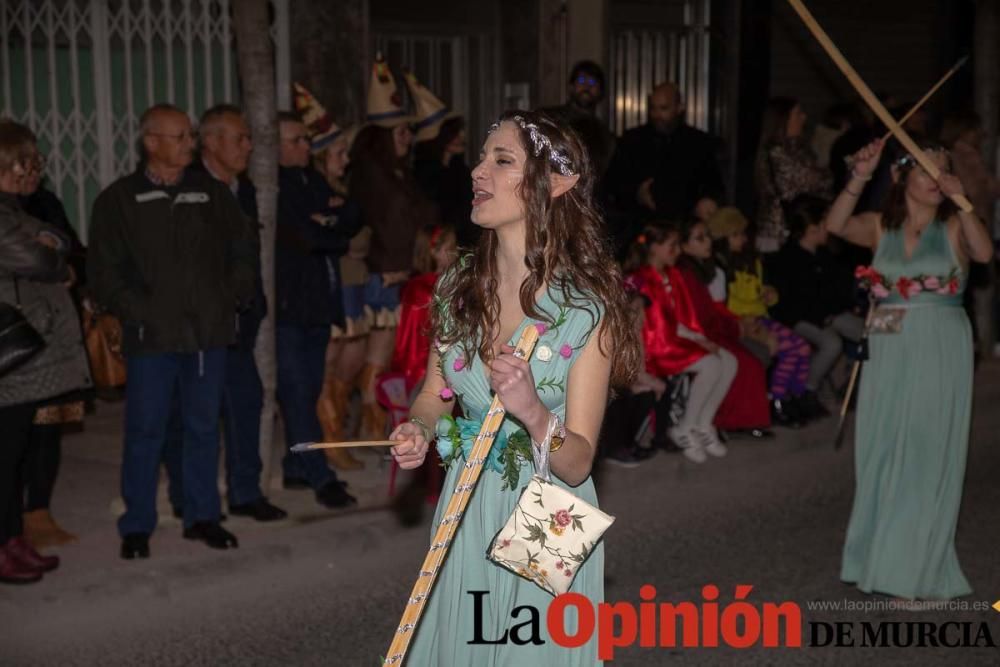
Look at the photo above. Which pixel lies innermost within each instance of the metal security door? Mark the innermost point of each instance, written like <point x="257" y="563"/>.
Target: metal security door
<point x="79" y="73"/>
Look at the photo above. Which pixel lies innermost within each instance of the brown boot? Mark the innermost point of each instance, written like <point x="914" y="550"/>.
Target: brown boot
<point x="41" y="530"/>
<point x="59" y="535"/>
<point x="373" y="417"/>
<point x="332" y="411"/>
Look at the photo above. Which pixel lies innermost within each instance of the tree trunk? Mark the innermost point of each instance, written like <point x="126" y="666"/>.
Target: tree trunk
<point x="330" y="54"/>
<point x="256" y="67"/>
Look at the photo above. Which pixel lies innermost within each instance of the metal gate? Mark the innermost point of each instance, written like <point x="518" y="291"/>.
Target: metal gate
<point x="642" y="58"/>
<point x="79" y="73"/>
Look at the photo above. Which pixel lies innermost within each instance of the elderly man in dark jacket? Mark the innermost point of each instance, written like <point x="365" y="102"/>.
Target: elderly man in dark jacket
<point x="225" y="152"/>
<point x="174" y="258"/>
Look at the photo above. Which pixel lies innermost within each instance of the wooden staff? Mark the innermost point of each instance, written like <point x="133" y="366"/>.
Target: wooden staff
<point x="307" y="446"/>
<point x="855" y="369"/>
<point x="869" y="97"/>
<point x="452" y="516"/>
<point x="920" y="103"/>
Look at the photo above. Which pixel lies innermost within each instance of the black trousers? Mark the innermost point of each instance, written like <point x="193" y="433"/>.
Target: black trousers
<point x="15" y="425"/>
<point x="625" y="415"/>
<point x="41" y="465"/>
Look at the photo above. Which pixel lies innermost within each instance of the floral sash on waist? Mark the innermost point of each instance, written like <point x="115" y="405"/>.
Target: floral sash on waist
<point x="455" y="437"/>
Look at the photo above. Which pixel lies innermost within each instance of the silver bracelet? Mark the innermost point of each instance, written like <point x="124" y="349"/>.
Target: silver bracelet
<point x="426" y="431"/>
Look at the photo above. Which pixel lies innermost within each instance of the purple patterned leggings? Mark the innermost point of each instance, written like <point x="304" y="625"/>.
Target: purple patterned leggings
<point x="791" y="364"/>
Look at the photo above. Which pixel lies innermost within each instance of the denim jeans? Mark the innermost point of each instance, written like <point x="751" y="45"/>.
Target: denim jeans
<point x="242" y="402"/>
<point x="301" y="366"/>
<point x="153" y="379"/>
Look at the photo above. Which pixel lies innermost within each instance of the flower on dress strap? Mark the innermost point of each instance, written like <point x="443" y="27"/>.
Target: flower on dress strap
<point x="459" y="364"/>
<point x="543" y="353"/>
<point x="566" y="351"/>
<point x="541" y="328"/>
<point x="447" y="394"/>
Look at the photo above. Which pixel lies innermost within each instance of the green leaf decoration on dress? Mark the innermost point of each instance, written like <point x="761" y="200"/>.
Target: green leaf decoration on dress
<point x="518" y="449"/>
<point x="551" y="384"/>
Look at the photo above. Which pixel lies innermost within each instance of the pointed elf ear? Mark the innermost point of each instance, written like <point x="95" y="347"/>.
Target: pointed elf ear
<point x="560" y="185"/>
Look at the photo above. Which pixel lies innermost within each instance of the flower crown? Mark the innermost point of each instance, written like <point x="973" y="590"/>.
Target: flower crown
<point x="557" y="159"/>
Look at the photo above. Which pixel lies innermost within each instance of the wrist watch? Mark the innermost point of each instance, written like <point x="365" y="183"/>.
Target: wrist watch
<point x="558" y="434"/>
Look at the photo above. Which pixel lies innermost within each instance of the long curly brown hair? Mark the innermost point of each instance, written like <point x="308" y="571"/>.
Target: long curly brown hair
<point x="565" y="249"/>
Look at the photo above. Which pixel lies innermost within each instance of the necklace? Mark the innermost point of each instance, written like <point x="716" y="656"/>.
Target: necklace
<point x="918" y="231"/>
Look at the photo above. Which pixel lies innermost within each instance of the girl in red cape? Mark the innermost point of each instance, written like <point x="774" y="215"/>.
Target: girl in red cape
<point x="676" y="342"/>
<point x="745" y="407"/>
<point x="434" y="251"/>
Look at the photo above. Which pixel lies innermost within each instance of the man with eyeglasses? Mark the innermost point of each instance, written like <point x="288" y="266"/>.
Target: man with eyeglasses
<point x="585" y="92"/>
<point x="314" y="230"/>
<point x="173" y="257"/>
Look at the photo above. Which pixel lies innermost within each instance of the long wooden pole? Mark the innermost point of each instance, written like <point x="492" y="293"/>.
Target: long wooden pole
<point x="869" y="97"/>
<point x="452" y="516"/>
<point x="838" y="440"/>
<point x="920" y="103"/>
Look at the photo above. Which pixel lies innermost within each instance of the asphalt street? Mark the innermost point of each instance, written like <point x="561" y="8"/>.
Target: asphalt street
<point x="327" y="588"/>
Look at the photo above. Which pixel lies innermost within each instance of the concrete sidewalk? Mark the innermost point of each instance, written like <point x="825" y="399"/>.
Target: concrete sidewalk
<point x="87" y="500"/>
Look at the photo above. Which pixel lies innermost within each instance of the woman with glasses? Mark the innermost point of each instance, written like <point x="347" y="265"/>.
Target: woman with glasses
<point x="33" y="277"/>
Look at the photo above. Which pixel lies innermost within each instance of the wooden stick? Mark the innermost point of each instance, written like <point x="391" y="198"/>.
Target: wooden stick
<point x="869" y="97"/>
<point x="452" y="516"/>
<point x="920" y="103"/>
<point x="855" y="369"/>
<point x="306" y="446"/>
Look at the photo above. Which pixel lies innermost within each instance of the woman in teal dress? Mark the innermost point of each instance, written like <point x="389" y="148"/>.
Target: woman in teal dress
<point x="541" y="262"/>
<point x="915" y="399"/>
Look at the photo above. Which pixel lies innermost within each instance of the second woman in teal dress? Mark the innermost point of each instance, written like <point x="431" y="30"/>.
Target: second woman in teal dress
<point x="915" y="399"/>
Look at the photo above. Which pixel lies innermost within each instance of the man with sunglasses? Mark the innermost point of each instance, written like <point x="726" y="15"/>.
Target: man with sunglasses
<point x="173" y="257"/>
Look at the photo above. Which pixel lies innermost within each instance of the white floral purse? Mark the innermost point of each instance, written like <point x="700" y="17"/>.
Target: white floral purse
<point x="551" y="532"/>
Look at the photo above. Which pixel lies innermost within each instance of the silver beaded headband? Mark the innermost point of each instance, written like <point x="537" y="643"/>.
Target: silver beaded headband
<point x="908" y="159"/>
<point x="540" y="142"/>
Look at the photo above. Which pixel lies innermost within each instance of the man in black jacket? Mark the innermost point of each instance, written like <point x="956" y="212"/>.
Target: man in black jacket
<point x="664" y="169"/>
<point x="174" y="258"/>
<point x="311" y="237"/>
<point x="225" y="152"/>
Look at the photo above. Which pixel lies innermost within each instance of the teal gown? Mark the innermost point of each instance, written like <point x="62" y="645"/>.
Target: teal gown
<point x="447" y="624"/>
<point x="914" y="409"/>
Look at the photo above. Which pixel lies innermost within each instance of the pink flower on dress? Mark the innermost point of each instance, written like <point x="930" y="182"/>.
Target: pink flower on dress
<point x="569" y="572"/>
<point x="879" y="290"/>
<point x="447" y="394"/>
<point x="459" y="364"/>
<point x="559" y="565"/>
<point x="932" y="283"/>
<point x="953" y="286"/>
<point x="541" y="328"/>
<point x="566" y="351"/>
<point x="563" y="518"/>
